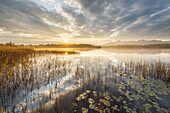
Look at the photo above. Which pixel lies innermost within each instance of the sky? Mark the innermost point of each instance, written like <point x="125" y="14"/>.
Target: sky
<point x="83" y="21"/>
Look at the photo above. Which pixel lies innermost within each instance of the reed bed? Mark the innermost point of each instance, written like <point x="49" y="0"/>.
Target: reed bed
<point x="29" y="79"/>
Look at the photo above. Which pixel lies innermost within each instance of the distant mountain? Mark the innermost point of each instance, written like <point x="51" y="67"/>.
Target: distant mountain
<point x="139" y="42"/>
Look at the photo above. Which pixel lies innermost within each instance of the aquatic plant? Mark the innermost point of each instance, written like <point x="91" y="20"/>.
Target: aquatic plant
<point x="29" y="79"/>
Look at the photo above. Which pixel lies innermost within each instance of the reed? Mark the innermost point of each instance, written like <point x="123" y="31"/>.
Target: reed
<point x="23" y="71"/>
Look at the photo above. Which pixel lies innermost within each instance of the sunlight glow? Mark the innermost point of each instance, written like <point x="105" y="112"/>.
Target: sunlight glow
<point x="65" y="41"/>
<point x="66" y="53"/>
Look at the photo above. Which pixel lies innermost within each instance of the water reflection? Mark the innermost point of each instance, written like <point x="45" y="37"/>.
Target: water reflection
<point x="126" y="55"/>
<point x="47" y="77"/>
<point x="138" y="51"/>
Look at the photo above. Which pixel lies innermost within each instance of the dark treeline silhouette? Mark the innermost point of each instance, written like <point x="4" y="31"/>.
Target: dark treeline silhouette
<point x="65" y="46"/>
<point x="52" y="45"/>
<point x="86" y="46"/>
<point x="12" y="44"/>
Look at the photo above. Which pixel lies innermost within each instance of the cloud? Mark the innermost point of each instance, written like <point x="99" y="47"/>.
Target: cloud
<point x="26" y="16"/>
<point x="84" y="20"/>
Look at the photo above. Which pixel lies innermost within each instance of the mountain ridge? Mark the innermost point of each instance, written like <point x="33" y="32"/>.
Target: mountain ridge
<point x="139" y="42"/>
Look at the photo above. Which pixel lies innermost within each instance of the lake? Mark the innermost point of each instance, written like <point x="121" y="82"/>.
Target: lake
<point x="97" y="80"/>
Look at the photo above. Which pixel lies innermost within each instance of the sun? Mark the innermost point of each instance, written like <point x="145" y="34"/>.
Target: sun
<point x="65" y="41"/>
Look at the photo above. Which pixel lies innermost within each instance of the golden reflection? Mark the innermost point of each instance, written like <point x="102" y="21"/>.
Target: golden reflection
<point x="66" y="53"/>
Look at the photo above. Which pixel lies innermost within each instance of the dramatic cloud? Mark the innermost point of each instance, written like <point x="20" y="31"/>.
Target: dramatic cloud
<point x="89" y="21"/>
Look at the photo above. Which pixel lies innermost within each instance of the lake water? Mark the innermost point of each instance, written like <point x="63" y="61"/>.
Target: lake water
<point x="130" y="54"/>
<point x="56" y="75"/>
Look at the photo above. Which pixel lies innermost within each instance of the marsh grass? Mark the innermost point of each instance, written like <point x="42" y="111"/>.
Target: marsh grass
<point x="116" y="88"/>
